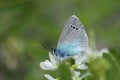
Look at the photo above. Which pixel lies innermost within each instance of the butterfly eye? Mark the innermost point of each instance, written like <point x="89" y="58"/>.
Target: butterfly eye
<point x="54" y="50"/>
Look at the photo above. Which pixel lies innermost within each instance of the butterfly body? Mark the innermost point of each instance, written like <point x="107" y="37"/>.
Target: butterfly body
<point x="73" y="39"/>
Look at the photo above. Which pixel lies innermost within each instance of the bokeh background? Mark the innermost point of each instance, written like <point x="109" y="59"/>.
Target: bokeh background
<point x="26" y="25"/>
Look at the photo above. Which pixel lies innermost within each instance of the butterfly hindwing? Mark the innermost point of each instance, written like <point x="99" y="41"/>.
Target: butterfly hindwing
<point x="73" y="40"/>
<point x="78" y="36"/>
<point x="73" y="30"/>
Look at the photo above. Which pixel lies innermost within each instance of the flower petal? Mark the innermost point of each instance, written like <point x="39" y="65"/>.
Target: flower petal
<point x="49" y="77"/>
<point x="52" y="58"/>
<point x="77" y="73"/>
<point x="81" y="59"/>
<point x="82" y="66"/>
<point x="47" y="65"/>
<point x="104" y="50"/>
<point x="85" y="75"/>
<point x="73" y="77"/>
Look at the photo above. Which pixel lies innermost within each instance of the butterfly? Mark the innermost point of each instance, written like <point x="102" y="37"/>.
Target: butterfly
<point x="73" y="39"/>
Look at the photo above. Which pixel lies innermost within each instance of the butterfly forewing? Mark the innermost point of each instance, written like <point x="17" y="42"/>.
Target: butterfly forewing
<point x="73" y="31"/>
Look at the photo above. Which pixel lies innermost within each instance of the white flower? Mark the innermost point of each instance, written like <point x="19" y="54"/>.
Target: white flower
<point x="95" y="53"/>
<point x="79" y="61"/>
<point x="49" y="65"/>
<point x="49" y="77"/>
<point x="73" y="78"/>
<point x="76" y="75"/>
<point x="104" y="50"/>
<point x="85" y="75"/>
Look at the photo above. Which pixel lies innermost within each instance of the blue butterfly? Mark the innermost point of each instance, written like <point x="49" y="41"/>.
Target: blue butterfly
<point x="73" y="39"/>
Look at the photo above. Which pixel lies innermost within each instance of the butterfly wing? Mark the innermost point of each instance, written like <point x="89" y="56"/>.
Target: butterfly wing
<point x="79" y="38"/>
<point x="73" y="32"/>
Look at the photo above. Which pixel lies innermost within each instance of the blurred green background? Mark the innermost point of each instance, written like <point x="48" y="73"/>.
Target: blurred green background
<point x="27" y="24"/>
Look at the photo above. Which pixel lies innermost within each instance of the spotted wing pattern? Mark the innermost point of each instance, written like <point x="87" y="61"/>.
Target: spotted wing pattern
<point x="73" y="31"/>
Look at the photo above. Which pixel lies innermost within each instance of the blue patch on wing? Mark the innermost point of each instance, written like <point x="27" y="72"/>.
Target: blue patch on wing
<point x="69" y="49"/>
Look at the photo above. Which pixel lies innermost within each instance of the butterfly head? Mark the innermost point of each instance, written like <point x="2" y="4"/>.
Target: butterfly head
<point x="53" y="50"/>
<point x="58" y="53"/>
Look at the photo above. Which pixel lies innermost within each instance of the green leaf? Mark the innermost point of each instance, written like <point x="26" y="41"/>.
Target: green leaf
<point x="64" y="72"/>
<point x="97" y="68"/>
<point x="114" y="72"/>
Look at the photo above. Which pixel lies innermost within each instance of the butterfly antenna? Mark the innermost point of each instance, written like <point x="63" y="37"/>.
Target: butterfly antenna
<point x="44" y="46"/>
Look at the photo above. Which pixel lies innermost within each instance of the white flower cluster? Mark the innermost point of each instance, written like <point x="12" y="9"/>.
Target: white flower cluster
<point x="80" y="60"/>
<point x="49" y="65"/>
